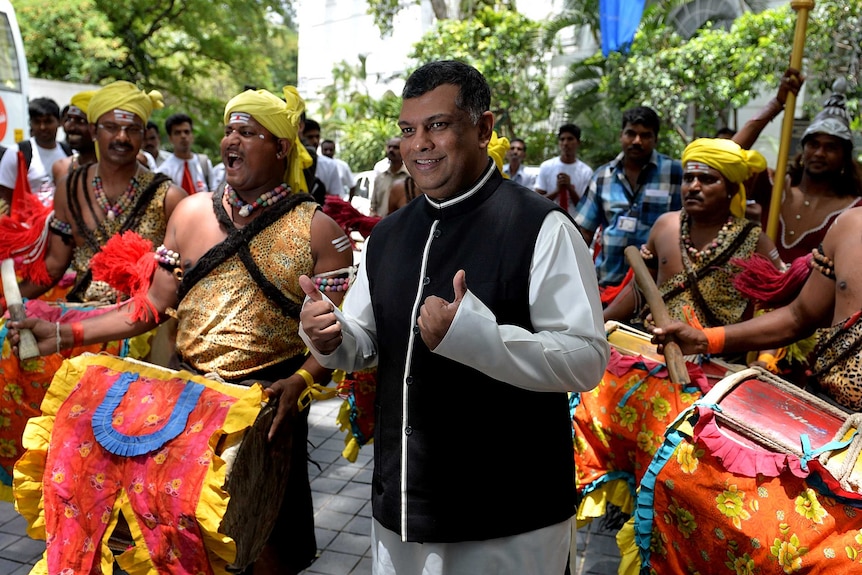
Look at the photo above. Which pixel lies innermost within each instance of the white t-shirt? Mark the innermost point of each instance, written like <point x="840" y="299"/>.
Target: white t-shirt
<point x="173" y="167"/>
<point x="346" y="176"/>
<point x="39" y="175"/>
<point x="579" y="172"/>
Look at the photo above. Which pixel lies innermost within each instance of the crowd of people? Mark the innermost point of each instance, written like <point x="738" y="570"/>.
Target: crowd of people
<point x="482" y="292"/>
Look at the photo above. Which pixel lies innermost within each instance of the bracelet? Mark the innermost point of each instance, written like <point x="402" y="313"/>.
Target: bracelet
<point x="304" y="374"/>
<point x="77" y="334"/>
<point x="715" y="339"/>
<point x="59" y="348"/>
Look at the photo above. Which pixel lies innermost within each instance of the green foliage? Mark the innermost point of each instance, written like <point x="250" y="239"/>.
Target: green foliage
<point x="504" y="46"/>
<point x="197" y="53"/>
<point x="68" y="40"/>
<point x="361" y="123"/>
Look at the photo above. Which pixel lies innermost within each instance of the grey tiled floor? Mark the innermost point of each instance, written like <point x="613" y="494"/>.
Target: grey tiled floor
<point x="341" y="493"/>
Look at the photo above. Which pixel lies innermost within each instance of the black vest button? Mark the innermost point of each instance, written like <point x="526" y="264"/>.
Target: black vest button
<point x="408" y="430"/>
<point x="408" y="379"/>
<point x="426" y="281"/>
<point x="437" y="233"/>
<point x="415" y="330"/>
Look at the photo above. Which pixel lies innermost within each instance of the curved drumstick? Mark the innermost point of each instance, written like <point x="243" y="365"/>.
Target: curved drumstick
<point x="672" y="353"/>
<point x="27" y="346"/>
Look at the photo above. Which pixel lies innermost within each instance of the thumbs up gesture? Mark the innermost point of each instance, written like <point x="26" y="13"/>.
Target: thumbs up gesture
<point x="436" y="314"/>
<point x="318" y="319"/>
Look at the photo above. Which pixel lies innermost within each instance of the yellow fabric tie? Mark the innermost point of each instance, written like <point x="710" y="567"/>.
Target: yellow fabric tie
<point x="771" y="361"/>
<point x="732" y="161"/>
<point x="312" y="390"/>
<point x="497" y="149"/>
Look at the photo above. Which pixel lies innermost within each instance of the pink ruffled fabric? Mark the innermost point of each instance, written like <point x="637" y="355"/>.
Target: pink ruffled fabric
<point x="746" y="460"/>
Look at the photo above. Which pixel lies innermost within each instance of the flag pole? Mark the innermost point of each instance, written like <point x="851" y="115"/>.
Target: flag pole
<point x="802" y="7"/>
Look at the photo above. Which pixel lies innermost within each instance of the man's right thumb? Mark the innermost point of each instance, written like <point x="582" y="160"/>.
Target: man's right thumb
<point x="309" y="288"/>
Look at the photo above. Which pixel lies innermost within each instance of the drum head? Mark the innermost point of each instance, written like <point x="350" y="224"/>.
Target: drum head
<point x="256" y="484"/>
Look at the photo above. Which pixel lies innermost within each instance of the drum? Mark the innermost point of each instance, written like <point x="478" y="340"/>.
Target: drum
<point x="125" y="441"/>
<point x="23" y="383"/>
<point x="619" y="425"/>
<point x="734" y="486"/>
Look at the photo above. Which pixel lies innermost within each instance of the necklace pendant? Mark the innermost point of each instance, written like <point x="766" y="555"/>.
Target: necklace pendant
<point x="111" y="215"/>
<point x="246" y="210"/>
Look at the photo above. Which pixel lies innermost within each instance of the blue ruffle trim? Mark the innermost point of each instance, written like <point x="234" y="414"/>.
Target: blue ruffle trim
<point x="5" y="478"/>
<point x="127" y="445"/>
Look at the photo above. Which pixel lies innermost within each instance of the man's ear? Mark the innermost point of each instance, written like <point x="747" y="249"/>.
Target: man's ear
<point x="284" y="146"/>
<point x="486" y="128"/>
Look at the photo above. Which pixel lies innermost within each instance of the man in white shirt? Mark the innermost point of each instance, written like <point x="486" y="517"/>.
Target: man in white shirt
<point x="153" y="142"/>
<point x="516" y="154"/>
<point x="564" y="179"/>
<point x="43" y="150"/>
<point x="326" y="170"/>
<point x="327" y="148"/>
<point x="192" y="172"/>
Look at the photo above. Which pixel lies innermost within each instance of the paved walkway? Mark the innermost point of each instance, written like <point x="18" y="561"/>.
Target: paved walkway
<point x="341" y="491"/>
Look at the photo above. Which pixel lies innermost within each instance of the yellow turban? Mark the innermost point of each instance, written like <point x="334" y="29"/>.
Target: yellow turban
<point x="733" y="162"/>
<point x="81" y="100"/>
<point x="497" y="149"/>
<point x="125" y="96"/>
<point x="282" y="119"/>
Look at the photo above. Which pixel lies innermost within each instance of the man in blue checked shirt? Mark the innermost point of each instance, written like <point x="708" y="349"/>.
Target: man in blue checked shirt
<point x="627" y="195"/>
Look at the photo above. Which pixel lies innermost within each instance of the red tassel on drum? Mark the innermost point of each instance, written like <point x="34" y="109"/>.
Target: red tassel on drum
<point x="760" y="281"/>
<point x="24" y="232"/>
<point x="127" y="263"/>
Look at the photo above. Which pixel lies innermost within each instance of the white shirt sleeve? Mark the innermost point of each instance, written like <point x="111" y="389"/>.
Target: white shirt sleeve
<point x="9" y="167"/>
<point x="358" y="349"/>
<point x="542" y="179"/>
<point x="569" y="350"/>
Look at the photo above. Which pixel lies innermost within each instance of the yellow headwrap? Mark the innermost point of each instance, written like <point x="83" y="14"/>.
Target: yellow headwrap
<point x="734" y="163"/>
<point x="126" y="96"/>
<point x="81" y="100"/>
<point x="497" y="149"/>
<point x="282" y="119"/>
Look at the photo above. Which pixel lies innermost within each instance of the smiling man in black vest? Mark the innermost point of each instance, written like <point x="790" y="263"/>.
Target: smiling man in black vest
<point x="473" y="468"/>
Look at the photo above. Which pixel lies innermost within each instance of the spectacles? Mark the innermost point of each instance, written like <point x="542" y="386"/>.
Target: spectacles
<point x="114" y="129"/>
<point x="704" y="179"/>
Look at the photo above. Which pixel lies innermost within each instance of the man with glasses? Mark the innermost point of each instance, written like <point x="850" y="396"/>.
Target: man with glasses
<point x="108" y="197"/>
<point x="40" y="152"/>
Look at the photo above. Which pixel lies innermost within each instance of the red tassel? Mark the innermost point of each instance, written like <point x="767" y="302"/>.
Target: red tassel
<point x="22" y="230"/>
<point x="127" y="263"/>
<point x="610" y="293"/>
<point x="758" y="280"/>
<point x="349" y="218"/>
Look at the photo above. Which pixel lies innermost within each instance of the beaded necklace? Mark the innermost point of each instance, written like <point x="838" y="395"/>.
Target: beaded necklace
<point x="123" y="203"/>
<point x="712" y="247"/>
<point x="266" y="199"/>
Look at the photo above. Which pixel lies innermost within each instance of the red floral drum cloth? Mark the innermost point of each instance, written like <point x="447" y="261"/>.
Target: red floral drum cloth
<point x="718" y="498"/>
<point x="117" y="435"/>
<point x="619" y="425"/>
<point x="23" y="383"/>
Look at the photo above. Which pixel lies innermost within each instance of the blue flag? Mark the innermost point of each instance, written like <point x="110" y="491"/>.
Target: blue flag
<point x="618" y="21"/>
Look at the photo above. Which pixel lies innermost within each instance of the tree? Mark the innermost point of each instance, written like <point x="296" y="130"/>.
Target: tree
<point x="384" y="11"/>
<point x="68" y="40"/>
<point x="198" y="53"/>
<point x="504" y="46"/>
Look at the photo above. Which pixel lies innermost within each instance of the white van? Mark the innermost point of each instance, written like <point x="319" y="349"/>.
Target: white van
<point x="14" y="79"/>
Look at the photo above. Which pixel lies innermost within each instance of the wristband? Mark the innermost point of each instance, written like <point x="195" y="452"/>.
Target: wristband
<point x="77" y="334"/>
<point x="715" y="339"/>
<point x="59" y="349"/>
<point x="304" y="374"/>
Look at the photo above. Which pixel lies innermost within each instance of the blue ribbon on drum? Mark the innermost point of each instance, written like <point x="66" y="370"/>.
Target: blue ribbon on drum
<point x="130" y="445"/>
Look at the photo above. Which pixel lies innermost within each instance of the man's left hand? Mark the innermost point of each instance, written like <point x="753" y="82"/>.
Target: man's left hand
<point x="436" y="314"/>
<point x="287" y="391"/>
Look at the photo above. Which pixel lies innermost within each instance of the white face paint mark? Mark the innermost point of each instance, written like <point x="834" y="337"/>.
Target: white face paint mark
<point x="341" y="244"/>
<point x="239" y="118"/>
<point x="123" y="116"/>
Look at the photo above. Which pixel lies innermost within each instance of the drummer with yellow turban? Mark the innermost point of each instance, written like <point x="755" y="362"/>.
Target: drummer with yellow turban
<point x="229" y="272"/>
<point x="691" y="251"/>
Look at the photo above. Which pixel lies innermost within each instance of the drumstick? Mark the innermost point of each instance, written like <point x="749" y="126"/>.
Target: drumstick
<point x="672" y="353"/>
<point x="27" y="346"/>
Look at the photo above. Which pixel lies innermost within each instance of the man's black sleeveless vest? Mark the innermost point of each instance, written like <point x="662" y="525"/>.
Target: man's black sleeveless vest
<point x="484" y="459"/>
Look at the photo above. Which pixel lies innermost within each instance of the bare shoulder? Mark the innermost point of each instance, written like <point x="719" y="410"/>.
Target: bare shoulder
<point x="324" y="228"/>
<point x="846" y="228"/>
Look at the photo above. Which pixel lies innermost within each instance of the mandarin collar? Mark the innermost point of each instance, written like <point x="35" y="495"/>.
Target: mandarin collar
<point x="468" y="200"/>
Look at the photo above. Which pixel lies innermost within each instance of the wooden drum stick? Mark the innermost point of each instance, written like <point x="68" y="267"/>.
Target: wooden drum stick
<point x="27" y="346"/>
<point x="672" y="353"/>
